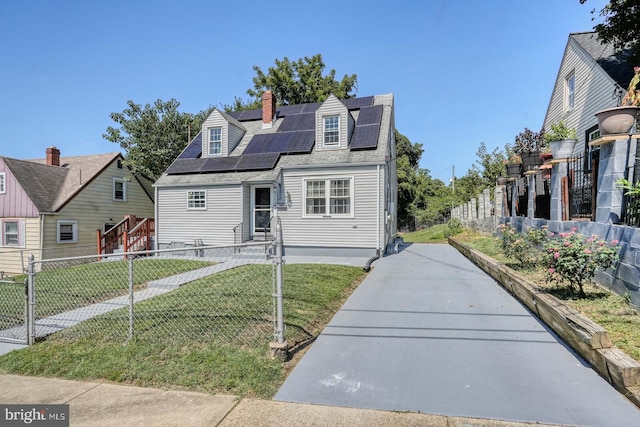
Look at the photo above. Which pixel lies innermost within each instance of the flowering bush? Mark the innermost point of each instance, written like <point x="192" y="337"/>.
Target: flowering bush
<point x="574" y="258"/>
<point x="526" y="247"/>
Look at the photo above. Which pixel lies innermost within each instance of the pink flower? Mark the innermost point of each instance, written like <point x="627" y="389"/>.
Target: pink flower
<point x="601" y="243"/>
<point x="614" y="242"/>
<point x="587" y="251"/>
<point x="552" y="270"/>
<point x="567" y="243"/>
<point x="556" y="255"/>
<point x="574" y="229"/>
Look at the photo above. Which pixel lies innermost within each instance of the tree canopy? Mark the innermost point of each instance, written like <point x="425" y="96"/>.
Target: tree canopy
<point x="620" y="26"/>
<point x="296" y="82"/>
<point x="154" y="135"/>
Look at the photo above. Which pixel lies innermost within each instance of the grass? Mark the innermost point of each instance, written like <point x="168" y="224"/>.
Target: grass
<point x="611" y="311"/>
<point x="83" y="285"/>
<point x="435" y="234"/>
<point x="186" y="349"/>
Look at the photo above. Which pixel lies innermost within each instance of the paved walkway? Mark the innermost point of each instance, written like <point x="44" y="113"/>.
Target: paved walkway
<point x="428" y="331"/>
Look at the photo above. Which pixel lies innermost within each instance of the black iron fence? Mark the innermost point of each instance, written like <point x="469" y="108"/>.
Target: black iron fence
<point x="581" y="188"/>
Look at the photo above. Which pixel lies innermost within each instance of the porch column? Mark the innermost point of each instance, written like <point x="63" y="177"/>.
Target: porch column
<point x="531" y="194"/>
<point x="558" y="171"/>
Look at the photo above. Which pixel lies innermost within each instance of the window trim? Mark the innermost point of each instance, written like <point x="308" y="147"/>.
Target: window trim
<point x="4" y="233"/>
<point x="327" y="197"/>
<point x="124" y="189"/>
<point x="3" y="182"/>
<point x="194" y="200"/>
<point x="337" y="143"/>
<point x="570" y="91"/>
<point x="210" y="141"/>
<point x="74" y="230"/>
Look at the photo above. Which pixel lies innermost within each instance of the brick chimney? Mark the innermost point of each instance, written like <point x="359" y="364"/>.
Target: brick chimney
<point x="53" y="156"/>
<point x="268" y="109"/>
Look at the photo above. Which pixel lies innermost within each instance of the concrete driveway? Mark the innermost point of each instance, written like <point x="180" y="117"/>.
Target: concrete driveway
<point x="428" y="331"/>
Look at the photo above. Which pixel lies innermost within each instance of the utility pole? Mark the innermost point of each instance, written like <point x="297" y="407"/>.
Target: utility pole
<point x="453" y="178"/>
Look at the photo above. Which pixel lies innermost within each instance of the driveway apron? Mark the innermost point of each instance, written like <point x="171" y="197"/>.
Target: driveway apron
<point x="428" y="331"/>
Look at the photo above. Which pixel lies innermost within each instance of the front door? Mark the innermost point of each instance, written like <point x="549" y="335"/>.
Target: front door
<point x="261" y="210"/>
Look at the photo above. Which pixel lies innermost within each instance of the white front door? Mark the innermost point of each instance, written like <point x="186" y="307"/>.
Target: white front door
<point x="261" y="202"/>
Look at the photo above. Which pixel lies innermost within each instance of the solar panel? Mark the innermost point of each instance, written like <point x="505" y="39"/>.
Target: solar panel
<point x="311" y="107"/>
<point x="302" y="142"/>
<point x="261" y="161"/>
<point x="365" y="137"/>
<point x="355" y="103"/>
<point x="246" y="115"/>
<point x="193" y="150"/>
<point x="185" y="166"/>
<point x="369" y="115"/>
<point x="219" y="164"/>
<point x="298" y="122"/>
<point x="258" y="143"/>
<point x="287" y="110"/>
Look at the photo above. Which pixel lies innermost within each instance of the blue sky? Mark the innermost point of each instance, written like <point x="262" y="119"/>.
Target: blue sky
<point x="462" y="71"/>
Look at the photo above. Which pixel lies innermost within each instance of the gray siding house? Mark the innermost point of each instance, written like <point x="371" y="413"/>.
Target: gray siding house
<point x="326" y="170"/>
<point x="592" y="77"/>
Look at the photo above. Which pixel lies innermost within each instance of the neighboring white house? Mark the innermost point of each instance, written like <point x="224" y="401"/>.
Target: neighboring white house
<point x="52" y="207"/>
<point x="328" y="169"/>
<point x="592" y="77"/>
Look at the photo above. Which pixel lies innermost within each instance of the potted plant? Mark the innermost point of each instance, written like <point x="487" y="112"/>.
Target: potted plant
<point x="529" y="145"/>
<point x="513" y="163"/>
<point x="561" y="140"/>
<point x="620" y="120"/>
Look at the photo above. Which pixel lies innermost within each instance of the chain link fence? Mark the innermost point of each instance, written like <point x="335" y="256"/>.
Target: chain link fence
<point x="205" y="294"/>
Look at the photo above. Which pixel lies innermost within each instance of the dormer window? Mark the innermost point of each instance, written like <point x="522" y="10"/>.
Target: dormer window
<point x="331" y="130"/>
<point x="215" y="141"/>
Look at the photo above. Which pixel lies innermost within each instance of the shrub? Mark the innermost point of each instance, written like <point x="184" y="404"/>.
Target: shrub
<point x="528" y="247"/>
<point x="454" y="227"/>
<point x="573" y="258"/>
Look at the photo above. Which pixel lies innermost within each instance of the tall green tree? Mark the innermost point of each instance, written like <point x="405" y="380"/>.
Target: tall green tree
<point x="490" y="165"/>
<point x="620" y="26"/>
<point x="296" y="82"/>
<point x="407" y="161"/>
<point x="154" y="135"/>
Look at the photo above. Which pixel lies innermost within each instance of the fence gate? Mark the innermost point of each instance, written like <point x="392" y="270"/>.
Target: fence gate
<point x="13" y="311"/>
<point x="581" y="188"/>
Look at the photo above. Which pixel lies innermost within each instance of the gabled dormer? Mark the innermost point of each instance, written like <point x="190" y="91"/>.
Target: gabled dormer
<point x="221" y="133"/>
<point x="334" y="125"/>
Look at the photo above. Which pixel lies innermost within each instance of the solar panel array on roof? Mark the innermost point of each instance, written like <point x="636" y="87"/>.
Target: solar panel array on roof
<point x="193" y="150"/>
<point x="299" y="142"/>
<point x="258" y="161"/>
<point x="365" y="137"/>
<point x="298" y="122"/>
<point x="185" y="166"/>
<point x="355" y="103"/>
<point x="369" y="115"/>
<point x="219" y="164"/>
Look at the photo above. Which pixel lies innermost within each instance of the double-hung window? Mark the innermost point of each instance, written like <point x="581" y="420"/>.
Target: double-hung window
<point x="67" y="231"/>
<point x="196" y="199"/>
<point x="569" y="92"/>
<point x="10" y="233"/>
<point x="215" y="141"/>
<point x="331" y="130"/>
<point x="329" y="197"/>
<point x="3" y="184"/>
<point x="119" y="190"/>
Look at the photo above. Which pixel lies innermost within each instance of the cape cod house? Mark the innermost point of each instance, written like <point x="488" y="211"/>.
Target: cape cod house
<point x="52" y="207"/>
<point x="327" y="170"/>
<point x="592" y="77"/>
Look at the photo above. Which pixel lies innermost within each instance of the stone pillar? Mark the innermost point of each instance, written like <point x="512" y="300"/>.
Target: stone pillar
<point x="531" y="195"/>
<point x="613" y="162"/>
<point x="499" y="194"/>
<point x="465" y="212"/>
<point x="486" y="201"/>
<point x="558" y="171"/>
<point x="473" y="209"/>
<point x="481" y="206"/>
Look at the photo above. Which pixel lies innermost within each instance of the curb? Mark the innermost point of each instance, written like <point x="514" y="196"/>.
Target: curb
<point x="585" y="337"/>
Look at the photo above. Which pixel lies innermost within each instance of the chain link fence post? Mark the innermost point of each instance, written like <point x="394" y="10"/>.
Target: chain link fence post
<point x="279" y="349"/>
<point x="131" y="299"/>
<point x="31" y="302"/>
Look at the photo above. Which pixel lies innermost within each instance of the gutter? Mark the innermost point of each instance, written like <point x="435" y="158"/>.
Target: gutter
<point x="367" y="266"/>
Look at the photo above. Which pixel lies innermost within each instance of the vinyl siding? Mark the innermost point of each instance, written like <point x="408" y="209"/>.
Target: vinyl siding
<point x="93" y="207"/>
<point x="14" y="203"/>
<point x="357" y="232"/>
<point x="213" y="225"/>
<point x="14" y="259"/>
<point x="593" y="92"/>
<point x="333" y="107"/>
<point x="235" y="135"/>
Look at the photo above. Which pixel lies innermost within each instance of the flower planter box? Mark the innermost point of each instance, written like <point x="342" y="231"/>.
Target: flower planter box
<point x="617" y="120"/>
<point x="562" y="149"/>
<point x="531" y="161"/>
<point x="514" y="170"/>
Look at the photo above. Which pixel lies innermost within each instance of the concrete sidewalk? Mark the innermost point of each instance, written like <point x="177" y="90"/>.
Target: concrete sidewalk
<point x="96" y="404"/>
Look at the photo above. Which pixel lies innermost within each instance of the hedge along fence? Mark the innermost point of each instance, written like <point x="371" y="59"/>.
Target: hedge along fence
<point x="588" y="339"/>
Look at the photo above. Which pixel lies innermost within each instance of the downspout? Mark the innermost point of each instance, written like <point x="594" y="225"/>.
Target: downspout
<point x="155" y="219"/>
<point x="41" y="249"/>
<point x="367" y="266"/>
